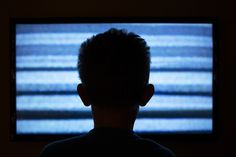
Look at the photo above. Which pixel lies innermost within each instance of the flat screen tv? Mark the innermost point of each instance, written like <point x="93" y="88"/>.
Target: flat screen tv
<point x="44" y="75"/>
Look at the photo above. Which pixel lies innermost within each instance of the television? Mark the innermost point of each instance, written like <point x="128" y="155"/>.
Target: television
<point x="44" y="76"/>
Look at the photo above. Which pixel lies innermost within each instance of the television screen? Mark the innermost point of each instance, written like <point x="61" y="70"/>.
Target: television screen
<point x="46" y="77"/>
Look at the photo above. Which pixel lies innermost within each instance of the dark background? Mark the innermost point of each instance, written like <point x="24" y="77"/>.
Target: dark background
<point x="223" y="145"/>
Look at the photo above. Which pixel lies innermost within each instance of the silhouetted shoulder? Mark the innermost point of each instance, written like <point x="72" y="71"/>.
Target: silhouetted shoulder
<point x="67" y="148"/>
<point x="153" y="148"/>
<point x="106" y="142"/>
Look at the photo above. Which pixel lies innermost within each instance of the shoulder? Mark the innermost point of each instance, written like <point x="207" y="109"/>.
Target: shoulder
<point x="88" y="144"/>
<point x="59" y="148"/>
<point x="154" y="148"/>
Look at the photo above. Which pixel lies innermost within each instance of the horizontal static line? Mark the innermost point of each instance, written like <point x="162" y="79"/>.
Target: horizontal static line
<point x="171" y="89"/>
<point x="30" y="69"/>
<point x="78" y="38"/>
<point x="71" y="62"/>
<point x="73" y="103"/>
<point x="147" y="28"/>
<point x="62" y="50"/>
<point x="72" y="86"/>
<point x="190" y="88"/>
<point x="33" y="93"/>
<point x="85" y="114"/>
<point x="74" y="58"/>
<point x="183" y="24"/>
<point x="163" y="132"/>
<point x="84" y="125"/>
<point x="79" y="108"/>
<point x="70" y="77"/>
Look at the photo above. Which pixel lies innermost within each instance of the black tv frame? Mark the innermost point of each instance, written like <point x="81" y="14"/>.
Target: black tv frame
<point x="159" y="137"/>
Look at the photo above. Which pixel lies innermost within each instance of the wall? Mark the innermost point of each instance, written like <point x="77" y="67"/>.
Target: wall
<point x="44" y="8"/>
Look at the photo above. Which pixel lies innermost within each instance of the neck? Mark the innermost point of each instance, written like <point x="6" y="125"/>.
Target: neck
<point x="114" y="118"/>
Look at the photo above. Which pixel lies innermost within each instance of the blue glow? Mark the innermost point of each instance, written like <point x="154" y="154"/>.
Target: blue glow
<point x="78" y="38"/>
<point x="62" y="77"/>
<point x="73" y="103"/>
<point x="84" y="125"/>
<point x="69" y="61"/>
<point x="181" y="71"/>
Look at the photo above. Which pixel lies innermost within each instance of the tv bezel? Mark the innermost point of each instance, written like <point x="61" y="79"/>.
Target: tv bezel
<point x="156" y="136"/>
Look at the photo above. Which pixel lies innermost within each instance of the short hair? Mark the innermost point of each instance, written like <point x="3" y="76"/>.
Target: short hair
<point x="114" y="66"/>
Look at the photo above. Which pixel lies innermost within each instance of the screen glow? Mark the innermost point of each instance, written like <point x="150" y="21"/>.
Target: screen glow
<point x="46" y="77"/>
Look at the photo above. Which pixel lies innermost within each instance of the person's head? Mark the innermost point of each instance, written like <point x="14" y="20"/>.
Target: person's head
<point x="114" y="70"/>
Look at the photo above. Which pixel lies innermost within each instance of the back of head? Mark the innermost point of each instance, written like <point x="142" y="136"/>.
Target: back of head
<point x="114" y="67"/>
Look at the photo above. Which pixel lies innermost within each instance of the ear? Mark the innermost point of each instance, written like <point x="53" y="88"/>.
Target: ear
<point x="83" y="94"/>
<point x="147" y="94"/>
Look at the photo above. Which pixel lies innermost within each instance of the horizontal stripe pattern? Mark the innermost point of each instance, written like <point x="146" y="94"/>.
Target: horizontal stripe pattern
<point x="46" y="77"/>
<point x="150" y="29"/>
<point x="85" y="114"/>
<point x="72" y="50"/>
<point x="68" y="62"/>
<point x="73" y="103"/>
<point x="70" y="77"/>
<point x="78" y="38"/>
<point x="73" y="126"/>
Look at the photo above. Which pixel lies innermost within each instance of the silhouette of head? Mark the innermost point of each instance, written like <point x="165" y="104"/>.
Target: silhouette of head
<point x="114" y="69"/>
